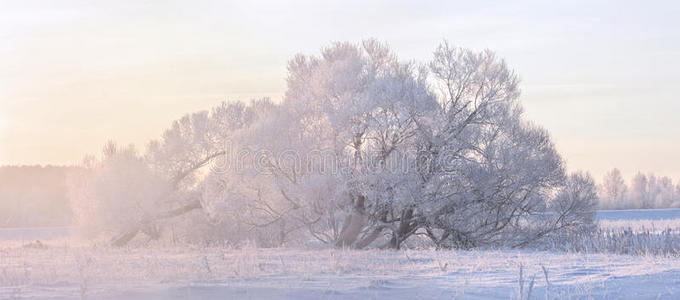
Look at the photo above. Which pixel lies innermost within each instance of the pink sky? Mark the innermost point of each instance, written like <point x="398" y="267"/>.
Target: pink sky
<point x="601" y="77"/>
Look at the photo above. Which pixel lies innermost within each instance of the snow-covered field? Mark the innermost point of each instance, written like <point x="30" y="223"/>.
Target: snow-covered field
<point x="640" y="220"/>
<point x="66" y="269"/>
<point x="639" y="214"/>
<point x="201" y="273"/>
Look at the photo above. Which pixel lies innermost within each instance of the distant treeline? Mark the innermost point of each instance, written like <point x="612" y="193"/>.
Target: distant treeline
<point x="34" y="196"/>
<point x="643" y="191"/>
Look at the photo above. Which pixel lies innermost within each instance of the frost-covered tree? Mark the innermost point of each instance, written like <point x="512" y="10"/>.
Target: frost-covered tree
<point x="117" y="192"/>
<point x="639" y="191"/>
<point x="653" y="191"/>
<point x="345" y="116"/>
<point x="664" y="193"/>
<point x="127" y="193"/>
<point x="613" y="191"/>
<point x="448" y="155"/>
<point x="366" y="150"/>
<point x="576" y="201"/>
<point x="485" y="171"/>
<point x="647" y="191"/>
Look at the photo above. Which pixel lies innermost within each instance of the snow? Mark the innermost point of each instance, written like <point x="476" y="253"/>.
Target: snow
<point x="31" y="234"/>
<point x="638" y="214"/>
<point x="201" y="273"/>
<point x="640" y="220"/>
<point x="69" y="270"/>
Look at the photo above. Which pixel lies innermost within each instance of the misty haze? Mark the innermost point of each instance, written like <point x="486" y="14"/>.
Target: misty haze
<point x="341" y="150"/>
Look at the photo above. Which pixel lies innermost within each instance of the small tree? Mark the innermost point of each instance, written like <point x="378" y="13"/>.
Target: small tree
<point x="614" y="190"/>
<point x="117" y="192"/>
<point x="125" y="193"/>
<point x="640" y="191"/>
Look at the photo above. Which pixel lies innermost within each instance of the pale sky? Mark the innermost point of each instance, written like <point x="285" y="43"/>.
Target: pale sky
<point x="603" y="78"/>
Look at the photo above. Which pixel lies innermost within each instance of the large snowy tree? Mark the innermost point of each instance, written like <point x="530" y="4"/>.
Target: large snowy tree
<point x="366" y="150"/>
<point x="447" y="155"/>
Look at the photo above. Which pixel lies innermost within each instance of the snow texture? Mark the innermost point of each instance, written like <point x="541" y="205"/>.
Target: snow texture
<point x="63" y="269"/>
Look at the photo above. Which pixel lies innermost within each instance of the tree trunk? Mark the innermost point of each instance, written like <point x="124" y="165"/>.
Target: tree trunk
<point x="367" y="240"/>
<point x="353" y="224"/>
<point x="126" y="236"/>
<point x="405" y="229"/>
